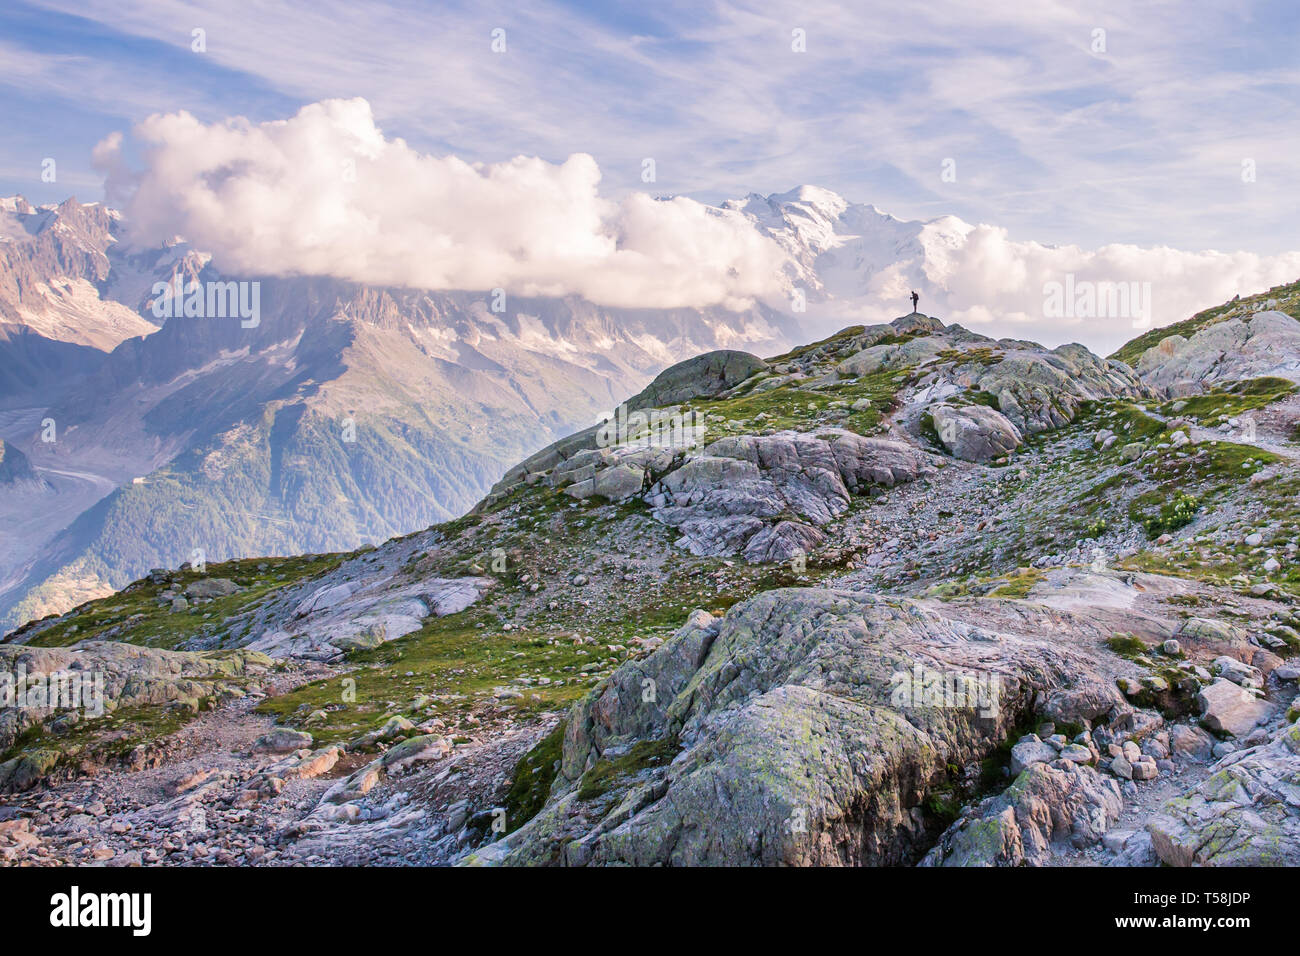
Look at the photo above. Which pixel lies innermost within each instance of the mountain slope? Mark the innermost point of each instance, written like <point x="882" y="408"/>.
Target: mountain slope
<point x="442" y="393"/>
<point x="344" y="415"/>
<point x="794" y="596"/>
<point x="54" y="263"/>
<point x="1285" y="298"/>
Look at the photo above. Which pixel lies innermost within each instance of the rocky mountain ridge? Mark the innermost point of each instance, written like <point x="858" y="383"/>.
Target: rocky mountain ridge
<point x="798" y="614"/>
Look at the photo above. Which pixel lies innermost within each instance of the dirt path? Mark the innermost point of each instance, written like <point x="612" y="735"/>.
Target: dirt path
<point x="1274" y="425"/>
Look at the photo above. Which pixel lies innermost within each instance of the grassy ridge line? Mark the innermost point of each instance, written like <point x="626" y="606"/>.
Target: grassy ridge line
<point x="1131" y="351"/>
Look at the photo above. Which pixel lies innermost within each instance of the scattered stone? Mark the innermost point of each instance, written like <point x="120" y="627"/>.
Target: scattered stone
<point x="282" y="740"/>
<point x="1230" y="708"/>
<point x="1029" y="752"/>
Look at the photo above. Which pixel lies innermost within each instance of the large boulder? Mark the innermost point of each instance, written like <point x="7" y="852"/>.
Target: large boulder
<point x="1030" y="751"/>
<point x="703" y="376"/>
<point x="897" y="356"/>
<point x="782" y="542"/>
<point x="282" y="740"/>
<point x="1231" y="708"/>
<point x="806" y="727"/>
<point x="211" y="588"/>
<point x="974" y="432"/>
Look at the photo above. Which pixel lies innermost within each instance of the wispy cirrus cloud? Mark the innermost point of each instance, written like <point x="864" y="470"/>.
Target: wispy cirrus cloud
<point x="1142" y="142"/>
<point x="1139" y="141"/>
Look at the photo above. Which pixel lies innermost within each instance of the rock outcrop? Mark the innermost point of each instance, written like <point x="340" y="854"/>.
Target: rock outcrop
<point x="1059" y="801"/>
<point x="796" y="730"/>
<point x="60" y="687"/>
<point x="341" y="616"/>
<point x="1261" y="344"/>
<point x="1037" y="389"/>
<point x="733" y="498"/>
<point x="1244" y="814"/>
<point x="702" y="376"/>
<point x="974" y="432"/>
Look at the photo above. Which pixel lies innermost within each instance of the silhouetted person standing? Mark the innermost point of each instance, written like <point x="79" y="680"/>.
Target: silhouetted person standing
<point x="915" y="299"/>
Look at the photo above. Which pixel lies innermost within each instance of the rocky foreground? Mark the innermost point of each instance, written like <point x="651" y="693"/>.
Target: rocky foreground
<point x="905" y="596"/>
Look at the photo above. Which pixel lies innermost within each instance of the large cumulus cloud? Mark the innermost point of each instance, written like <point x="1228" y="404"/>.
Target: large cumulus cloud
<point x="327" y="193"/>
<point x="996" y="284"/>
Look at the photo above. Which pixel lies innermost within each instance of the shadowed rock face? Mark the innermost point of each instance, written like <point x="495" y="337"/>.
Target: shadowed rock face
<point x="1018" y="826"/>
<point x="793" y="735"/>
<point x="14" y="465"/>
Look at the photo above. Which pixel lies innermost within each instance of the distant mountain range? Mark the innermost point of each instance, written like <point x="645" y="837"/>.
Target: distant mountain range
<point x="348" y="414"/>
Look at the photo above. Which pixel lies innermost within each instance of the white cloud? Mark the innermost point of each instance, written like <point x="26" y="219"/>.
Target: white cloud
<point x="326" y="193"/>
<point x="999" y="283"/>
<point x="1003" y="287"/>
<point x="1141" y="144"/>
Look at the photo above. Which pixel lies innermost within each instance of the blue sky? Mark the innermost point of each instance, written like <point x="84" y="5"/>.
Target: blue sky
<point x="1141" y="143"/>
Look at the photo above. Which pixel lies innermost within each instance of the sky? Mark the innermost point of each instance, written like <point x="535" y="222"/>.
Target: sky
<point x="1148" y="123"/>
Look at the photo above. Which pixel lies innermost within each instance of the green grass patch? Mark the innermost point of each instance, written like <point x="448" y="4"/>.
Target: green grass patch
<point x="830" y="343"/>
<point x="1126" y="645"/>
<point x="105" y="739"/>
<point x="458" y="667"/>
<point x="1236" y="399"/>
<point x="139" y="615"/>
<point x="804" y="409"/>
<point x="607" y="775"/>
<point x="1171" y="516"/>
<point x="1019" y="583"/>
<point x="530" y="784"/>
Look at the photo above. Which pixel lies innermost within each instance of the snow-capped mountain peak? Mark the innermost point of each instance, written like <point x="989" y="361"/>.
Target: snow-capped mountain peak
<point x="842" y="253"/>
